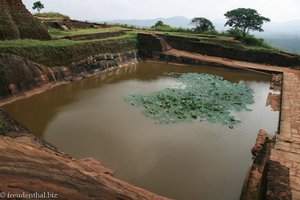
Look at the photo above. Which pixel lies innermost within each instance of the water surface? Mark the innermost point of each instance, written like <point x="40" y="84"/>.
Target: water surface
<point x="183" y="161"/>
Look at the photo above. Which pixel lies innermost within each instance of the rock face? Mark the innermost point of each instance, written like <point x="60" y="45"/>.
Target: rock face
<point x="31" y="165"/>
<point x="249" y="55"/>
<point x="16" y="22"/>
<point x="150" y="43"/>
<point x="102" y="62"/>
<point x="276" y="181"/>
<point x="260" y="152"/>
<point x="266" y="179"/>
<point x="18" y="74"/>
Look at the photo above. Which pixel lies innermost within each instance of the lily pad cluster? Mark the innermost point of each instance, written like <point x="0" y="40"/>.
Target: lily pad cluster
<point x="200" y="96"/>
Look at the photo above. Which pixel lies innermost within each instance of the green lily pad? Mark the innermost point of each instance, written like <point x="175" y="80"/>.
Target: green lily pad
<point x="202" y="97"/>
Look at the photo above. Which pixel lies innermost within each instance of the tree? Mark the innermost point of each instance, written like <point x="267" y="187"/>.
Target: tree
<point x="38" y="5"/>
<point x="202" y="24"/>
<point x="245" y="19"/>
<point x="160" y="24"/>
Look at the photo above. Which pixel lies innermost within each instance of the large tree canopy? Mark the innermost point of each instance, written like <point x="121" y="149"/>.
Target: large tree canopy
<point x="245" y="19"/>
<point x="202" y="24"/>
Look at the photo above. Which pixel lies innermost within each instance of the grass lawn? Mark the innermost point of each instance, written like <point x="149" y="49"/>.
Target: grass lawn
<point x="219" y="40"/>
<point x="51" y="15"/>
<point x="47" y="52"/>
<point x="61" y="42"/>
<point x="56" y="33"/>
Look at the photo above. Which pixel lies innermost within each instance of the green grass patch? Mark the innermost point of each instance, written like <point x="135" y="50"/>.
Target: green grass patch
<point x="220" y="39"/>
<point x="63" y="51"/>
<point x="225" y="41"/>
<point x="56" y="33"/>
<point x="60" y="42"/>
<point x="51" y="15"/>
<point x="201" y="96"/>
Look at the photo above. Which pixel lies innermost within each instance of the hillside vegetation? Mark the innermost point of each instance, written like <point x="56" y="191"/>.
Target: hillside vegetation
<point x="52" y="15"/>
<point x="62" y="51"/>
<point x="58" y="33"/>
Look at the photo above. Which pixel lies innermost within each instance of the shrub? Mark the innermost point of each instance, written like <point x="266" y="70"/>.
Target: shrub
<point x="235" y="33"/>
<point x="248" y="39"/>
<point x="251" y="40"/>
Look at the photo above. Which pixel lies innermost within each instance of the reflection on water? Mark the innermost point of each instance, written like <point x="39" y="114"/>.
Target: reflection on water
<point x="182" y="161"/>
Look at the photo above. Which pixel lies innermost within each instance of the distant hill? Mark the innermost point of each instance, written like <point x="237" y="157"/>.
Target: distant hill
<point x="177" y="21"/>
<point x="284" y="35"/>
<point x="271" y="29"/>
<point x="281" y="29"/>
<point x="287" y="44"/>
<point x="172" y="21"/>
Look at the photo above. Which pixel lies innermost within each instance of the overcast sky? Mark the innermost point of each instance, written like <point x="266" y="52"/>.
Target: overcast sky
<point x="276" y="10"/>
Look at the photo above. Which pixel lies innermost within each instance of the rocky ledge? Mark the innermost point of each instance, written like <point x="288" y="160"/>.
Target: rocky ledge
<point x="30" y="165"/>
<point x="19" y="76"/>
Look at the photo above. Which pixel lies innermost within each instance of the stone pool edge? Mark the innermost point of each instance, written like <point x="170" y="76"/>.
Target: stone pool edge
<point x="30" y="165"/>
<point x="280" y="172"/>
<point x="43" y="78"/>
<point x="286" y="142"/>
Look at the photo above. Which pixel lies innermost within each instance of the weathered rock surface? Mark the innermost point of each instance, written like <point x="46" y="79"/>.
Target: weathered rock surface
<point x="28" y="164"/>
<point x="152" y="42"/>
<point x="267" y="179"/>
<point x="18" y="74"/>
<point x="277" y="81"/>
<point x="276" y="182"/>
<point x="261" y="152"/>
<point x="16" y="22"/>
<point x="274" y="100"/>
<point x="102" y="62"/>
<point x="149" y="43"/>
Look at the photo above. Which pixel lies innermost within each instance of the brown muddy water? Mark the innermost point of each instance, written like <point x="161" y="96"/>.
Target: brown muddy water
<point x="190" y="161"/>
